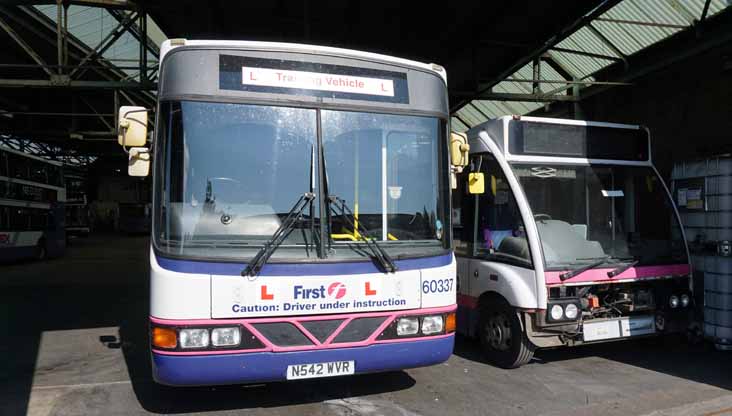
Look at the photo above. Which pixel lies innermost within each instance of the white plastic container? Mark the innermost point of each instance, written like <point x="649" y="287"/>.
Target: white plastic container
<point x="703" y="193"/>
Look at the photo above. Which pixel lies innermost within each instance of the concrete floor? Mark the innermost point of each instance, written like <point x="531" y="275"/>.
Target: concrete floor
<point x="72" y="342"/>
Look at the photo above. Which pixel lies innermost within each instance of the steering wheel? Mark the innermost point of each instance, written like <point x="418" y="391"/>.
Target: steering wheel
<point x="540" y="217"/>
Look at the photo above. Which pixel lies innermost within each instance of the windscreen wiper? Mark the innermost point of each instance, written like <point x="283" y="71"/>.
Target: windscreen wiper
<point x="385" y="261"/>
<point x="293" y="217"/>
<point x="572" y="273"/>
<point x="622" y="268"/>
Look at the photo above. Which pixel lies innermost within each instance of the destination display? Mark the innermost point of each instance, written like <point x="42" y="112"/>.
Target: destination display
<point x="591" y="142"/>
<point x="311" y="79"/>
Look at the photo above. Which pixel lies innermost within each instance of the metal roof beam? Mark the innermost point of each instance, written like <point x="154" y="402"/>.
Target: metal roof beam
<point x="139" y="34"/>
<point x="457" y="116"/>
<point x="563" y="71"/>
<point x="505" y="96"/>
<point x="570" y="82"/>
<point x="680" y="46"/>
<point x="44" y="83"/>
<point x="705" y="11"/>
<point x="608" y="43"/>
<point x="557" y="38"/>
<point x="105" y="44"/>
<point x="587" y="54"/>
<point x="124" y="4"/>
<point x="640" y="23"/>
<point x="26" y="47"/>
<point x="44" y="21"/>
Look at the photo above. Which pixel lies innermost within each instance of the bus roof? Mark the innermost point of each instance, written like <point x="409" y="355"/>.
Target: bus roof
<point x="169" y="44"/>
<point x="29" y="156"/>
<point x="570" y="122"/>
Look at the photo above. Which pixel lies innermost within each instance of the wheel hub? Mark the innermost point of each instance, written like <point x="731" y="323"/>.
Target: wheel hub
<point x="498" y="332"/>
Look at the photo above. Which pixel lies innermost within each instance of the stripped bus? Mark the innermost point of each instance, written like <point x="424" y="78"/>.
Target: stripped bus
<point x="32" y="196"/>
<point x="300" y="221"/>
<point x="562" y="238"/>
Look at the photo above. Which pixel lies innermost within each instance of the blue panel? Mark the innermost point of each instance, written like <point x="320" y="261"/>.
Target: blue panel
<point x="298" y="269"/>
<point x="198" y="370"/>
<point x="17" y="253"/>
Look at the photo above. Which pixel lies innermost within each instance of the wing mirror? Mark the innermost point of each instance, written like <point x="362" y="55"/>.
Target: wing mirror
<point x="476" y="183"/>
<point x="459" y="153"/>
<point x="132" y="126"/>
<point x="138" y="162"/>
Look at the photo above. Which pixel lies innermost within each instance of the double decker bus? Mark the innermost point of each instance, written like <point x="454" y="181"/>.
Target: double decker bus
<point x="565" y="234"/>
<point x="301" y="223"/>
<point x="32" y="196"/>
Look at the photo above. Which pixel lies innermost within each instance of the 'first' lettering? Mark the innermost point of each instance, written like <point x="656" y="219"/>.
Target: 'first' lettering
<point x="303" y="293"/>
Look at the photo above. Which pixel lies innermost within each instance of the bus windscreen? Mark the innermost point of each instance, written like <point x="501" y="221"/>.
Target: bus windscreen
<point x="591" y="142"/>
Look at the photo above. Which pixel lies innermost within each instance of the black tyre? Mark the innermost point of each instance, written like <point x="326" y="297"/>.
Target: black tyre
<point x="502" y="337"/>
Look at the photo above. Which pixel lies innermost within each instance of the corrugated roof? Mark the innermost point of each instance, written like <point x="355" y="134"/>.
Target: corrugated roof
<point x="628" y="28"/>
<point x="92" y="24"/>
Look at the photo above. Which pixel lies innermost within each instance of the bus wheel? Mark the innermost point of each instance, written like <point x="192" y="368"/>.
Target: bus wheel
<point x="41" y="250"/>
<point x="502" y="337"/>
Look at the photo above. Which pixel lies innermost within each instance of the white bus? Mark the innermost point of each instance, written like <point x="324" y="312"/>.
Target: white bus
<point x="562" y="237"/>
<point x="300" y="223"/>
<point x="32" y="196"/>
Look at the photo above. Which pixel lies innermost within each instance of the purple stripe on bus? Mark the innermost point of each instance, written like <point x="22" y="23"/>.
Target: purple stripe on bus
<point x="269" y="366"/>
<point x="298" y="269"/>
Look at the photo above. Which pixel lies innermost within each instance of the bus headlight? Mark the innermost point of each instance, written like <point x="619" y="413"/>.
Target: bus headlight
<point x="193" y="338"/>
<point x="685" y="300"/>
<point x="432" y="324"/>
<point x="407" y="326"/>
<point x="571" y="311"/>
<point x="557" y="312"/>
<point x="673" y="301"/>
<point x="225" y="337"/>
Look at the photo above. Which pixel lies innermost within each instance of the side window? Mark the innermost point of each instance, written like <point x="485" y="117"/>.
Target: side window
<point x="463" y="213"/>
<point x="19" y="219"/>
<point x="501" y="235"/>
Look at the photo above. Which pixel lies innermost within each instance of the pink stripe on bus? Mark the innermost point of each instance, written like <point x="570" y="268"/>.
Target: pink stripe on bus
<point x="248" y="323"/>
<point x="633" y="273"/>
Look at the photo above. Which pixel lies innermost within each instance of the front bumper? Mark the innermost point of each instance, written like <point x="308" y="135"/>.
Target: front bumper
<point x="240" y="368"/>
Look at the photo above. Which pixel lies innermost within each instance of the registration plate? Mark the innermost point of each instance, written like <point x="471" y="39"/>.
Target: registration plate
<point x="618" y="328"/>
<point x="314" y="370"/>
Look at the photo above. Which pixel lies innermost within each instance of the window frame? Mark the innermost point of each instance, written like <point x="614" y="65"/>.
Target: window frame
<point x="466" y="198"/>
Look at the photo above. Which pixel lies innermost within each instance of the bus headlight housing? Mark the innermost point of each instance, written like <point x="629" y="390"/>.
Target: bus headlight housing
<point x="557" y="312"/>
<point x="685" y="300"/>
<point x="432" y="324"/>
<point x="193" y="338"/>
<point x="225" y="336"/>
<point x="673" y="301"/>
<point x="563" y="310"/>
<point x="407" y="326"/>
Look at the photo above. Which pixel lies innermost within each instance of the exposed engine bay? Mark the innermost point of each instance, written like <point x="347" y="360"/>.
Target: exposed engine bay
<point x="578" y="314"/>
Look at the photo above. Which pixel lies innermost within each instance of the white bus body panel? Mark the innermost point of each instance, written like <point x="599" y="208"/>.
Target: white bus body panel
<point x="438" y="298"/>
<point x="175" y="295"/>
<point x="266" y="296"/>
<point x="17" y="239"/>
<point x="178" y="295"/>
<point x="525" y="287"/>
<point x="516" y="284"/>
